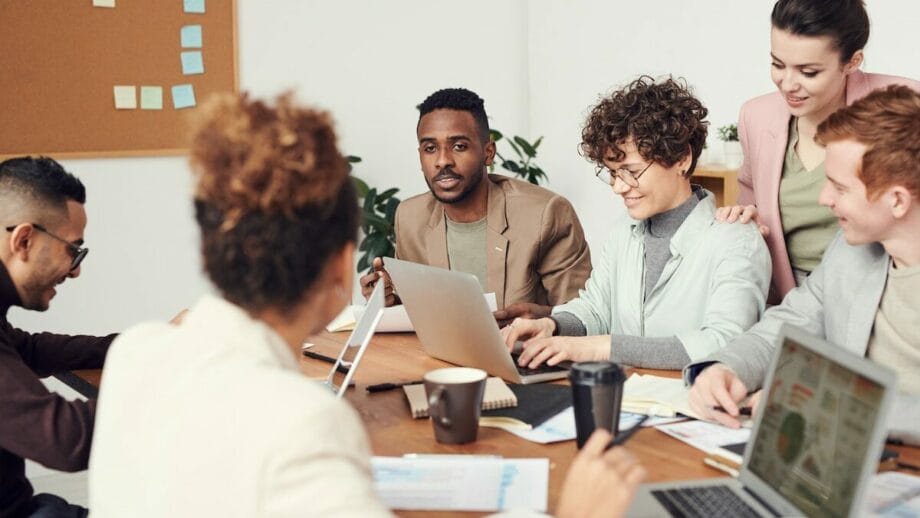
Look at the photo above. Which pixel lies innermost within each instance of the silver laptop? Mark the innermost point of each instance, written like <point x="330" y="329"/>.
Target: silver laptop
<point x="346" y="363"/>
<point x="454" y="323"/>
<point x="815" y="442"/>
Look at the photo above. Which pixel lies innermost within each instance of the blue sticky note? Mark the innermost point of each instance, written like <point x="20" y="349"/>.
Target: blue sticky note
<point x="193" y="6"/>
<point x="190" y="36"/>
<point x="192" y="63"/>
<point x="183" y="96"/>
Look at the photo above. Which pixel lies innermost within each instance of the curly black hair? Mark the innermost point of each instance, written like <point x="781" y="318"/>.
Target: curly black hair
<point x="459" y="99"/>
<point x="663" y="118"/>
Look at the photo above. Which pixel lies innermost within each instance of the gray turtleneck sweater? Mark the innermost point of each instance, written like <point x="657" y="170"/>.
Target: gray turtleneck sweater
<point x="665" y="352"/>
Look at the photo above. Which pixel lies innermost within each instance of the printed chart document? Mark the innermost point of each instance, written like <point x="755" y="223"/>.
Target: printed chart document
<point x="706" y="436"/>
<point x="394" y="319"/>
<point x="461" y="482"/>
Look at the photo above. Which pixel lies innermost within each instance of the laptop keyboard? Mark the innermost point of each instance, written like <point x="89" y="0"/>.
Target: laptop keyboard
<point x="541" y="369"/>
<point x="703" y="502"/>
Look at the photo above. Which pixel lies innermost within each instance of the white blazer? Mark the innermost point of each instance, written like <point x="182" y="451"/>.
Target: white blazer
<point x="214" y="418"/>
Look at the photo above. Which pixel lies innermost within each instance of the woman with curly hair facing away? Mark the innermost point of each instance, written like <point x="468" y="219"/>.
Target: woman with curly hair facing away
<point x="214" y="417"/>
<point x="672" y="285"/>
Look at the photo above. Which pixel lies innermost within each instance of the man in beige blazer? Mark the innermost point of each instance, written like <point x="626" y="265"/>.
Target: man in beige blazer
<point x="522" y="242"/>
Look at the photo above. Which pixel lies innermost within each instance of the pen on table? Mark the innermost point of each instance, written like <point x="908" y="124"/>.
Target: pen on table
<point x="624" y="436"/>
<point x="745" y="410"/>
<point x="382" y="387"/>
<point x="328" y="359"/>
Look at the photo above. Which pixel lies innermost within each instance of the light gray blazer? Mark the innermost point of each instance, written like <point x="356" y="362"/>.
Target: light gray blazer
<point x="837" y="302"/>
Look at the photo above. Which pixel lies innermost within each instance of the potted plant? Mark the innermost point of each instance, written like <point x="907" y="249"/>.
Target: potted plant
<point x="378" y="220"/>
<point x="523" y="166"/>
<point x="731" y="147"/>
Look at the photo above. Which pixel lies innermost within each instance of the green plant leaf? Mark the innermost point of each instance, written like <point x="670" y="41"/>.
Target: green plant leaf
<point x="531" y="152"/>
<point x="390" y="212"/>
<point x="352" y="159"/>
<point x="516" y="149"/>
<point x="495" y="135"/>
<point x="537" y="142"/>
<point x="369" y="199"/>
<point x="511" y="166"/>
<point x="360" y="186"/>
<point x="382" y="197"/>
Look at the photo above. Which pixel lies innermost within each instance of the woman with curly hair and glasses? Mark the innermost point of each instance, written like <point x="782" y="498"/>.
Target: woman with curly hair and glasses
<point x="226" y="424"/>
<point x="672" y="285"/>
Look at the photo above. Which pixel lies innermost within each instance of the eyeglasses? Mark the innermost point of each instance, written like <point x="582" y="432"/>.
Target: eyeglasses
<point x="629" y="178"/>
<point x="78" y="253"/>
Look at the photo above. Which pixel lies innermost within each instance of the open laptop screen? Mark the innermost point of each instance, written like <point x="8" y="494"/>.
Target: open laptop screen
<point x="347" y="362"/>
<point x="816" y="430"/>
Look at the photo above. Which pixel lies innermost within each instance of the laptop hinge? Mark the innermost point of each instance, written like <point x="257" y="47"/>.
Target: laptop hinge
<point x="762" y="502"/>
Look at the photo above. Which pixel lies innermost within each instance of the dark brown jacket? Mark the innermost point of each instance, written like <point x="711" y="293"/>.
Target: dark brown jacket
<point x="35" y="423"/>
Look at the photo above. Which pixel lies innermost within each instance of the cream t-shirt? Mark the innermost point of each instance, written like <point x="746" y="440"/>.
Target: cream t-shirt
<point x="895" y="339"/>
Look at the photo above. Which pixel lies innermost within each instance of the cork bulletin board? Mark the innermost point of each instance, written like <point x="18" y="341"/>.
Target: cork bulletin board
<point x="88" y="78"/>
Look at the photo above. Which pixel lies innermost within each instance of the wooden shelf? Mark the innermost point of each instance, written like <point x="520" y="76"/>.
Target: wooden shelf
<point x="720" y="181"/>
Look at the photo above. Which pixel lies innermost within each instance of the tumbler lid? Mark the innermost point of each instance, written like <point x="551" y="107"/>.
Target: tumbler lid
<point x="600" y="373"/>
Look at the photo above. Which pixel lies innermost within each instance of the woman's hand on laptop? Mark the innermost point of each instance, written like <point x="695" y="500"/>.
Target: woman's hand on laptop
<point x="370" y="280"/>
<point x="600" y="483"/>
<point x="716" y="394"/>
<point x="555" y="349"/>
<point x="521" y="329"/>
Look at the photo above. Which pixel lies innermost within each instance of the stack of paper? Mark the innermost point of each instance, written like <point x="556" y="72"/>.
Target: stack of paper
<point x="394" y="319"/>
<point x="461" y="482"/>
<point x="656" y="396"/>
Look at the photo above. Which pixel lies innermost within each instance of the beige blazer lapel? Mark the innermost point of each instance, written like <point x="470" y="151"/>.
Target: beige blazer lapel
<point x="436" y="238"/>
<point x="496" y="242"/>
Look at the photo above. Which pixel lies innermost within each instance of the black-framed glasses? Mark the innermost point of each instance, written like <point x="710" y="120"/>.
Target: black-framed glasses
<point x="629" y="178"/>
<point x="77" y="252"/>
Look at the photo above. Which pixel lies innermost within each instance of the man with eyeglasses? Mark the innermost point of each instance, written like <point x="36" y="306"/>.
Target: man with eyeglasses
<point x="672" y="285"/>
<point x="42" y="218"/>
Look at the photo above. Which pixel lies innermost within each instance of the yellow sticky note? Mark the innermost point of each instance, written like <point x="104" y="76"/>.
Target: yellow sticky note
<point x="151" y="97"/>
<point x="125" y="97"/>
<point x="104" y="3"/>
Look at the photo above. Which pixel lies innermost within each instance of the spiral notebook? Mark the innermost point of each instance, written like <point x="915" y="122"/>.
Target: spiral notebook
<point x="497" y="395"/>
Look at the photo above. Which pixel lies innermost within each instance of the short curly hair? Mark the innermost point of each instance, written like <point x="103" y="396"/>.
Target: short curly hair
<point x="273" y="198"/>
<point x="459" y="99"/>
<point x="664" y="119"/>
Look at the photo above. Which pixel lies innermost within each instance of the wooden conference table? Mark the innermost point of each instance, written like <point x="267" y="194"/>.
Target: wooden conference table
<point x="393" y="431"/>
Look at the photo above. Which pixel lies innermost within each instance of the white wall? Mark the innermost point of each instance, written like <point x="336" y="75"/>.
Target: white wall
<point x="539" y="65"/>
<point x="583" y="48"/>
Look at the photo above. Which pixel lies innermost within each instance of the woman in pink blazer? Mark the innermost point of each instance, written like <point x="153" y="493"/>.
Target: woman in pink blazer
<point x="816" y="51"/>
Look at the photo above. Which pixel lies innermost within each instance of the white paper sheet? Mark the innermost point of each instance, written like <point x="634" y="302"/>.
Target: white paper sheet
<point x="461" y="482"/>
<point x="704" y="435"/>
<point x="394" y="320"/>
<point x="893" y="494"/>
<point x="561" y="427"/>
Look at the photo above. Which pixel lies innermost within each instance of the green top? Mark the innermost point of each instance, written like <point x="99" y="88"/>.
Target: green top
<point x="466" y="249"/>
<point x="808" y="227"/>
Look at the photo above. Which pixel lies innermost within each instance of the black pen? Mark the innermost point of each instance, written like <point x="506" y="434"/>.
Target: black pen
<point x="382" y="387"/>
<point x="624" y="436"/>
<point x="342" y="369"/>
<point x="745" y="410"/>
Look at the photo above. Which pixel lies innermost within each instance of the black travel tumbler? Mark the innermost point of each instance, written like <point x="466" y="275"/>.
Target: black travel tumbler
<point x="597" y="391"/>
